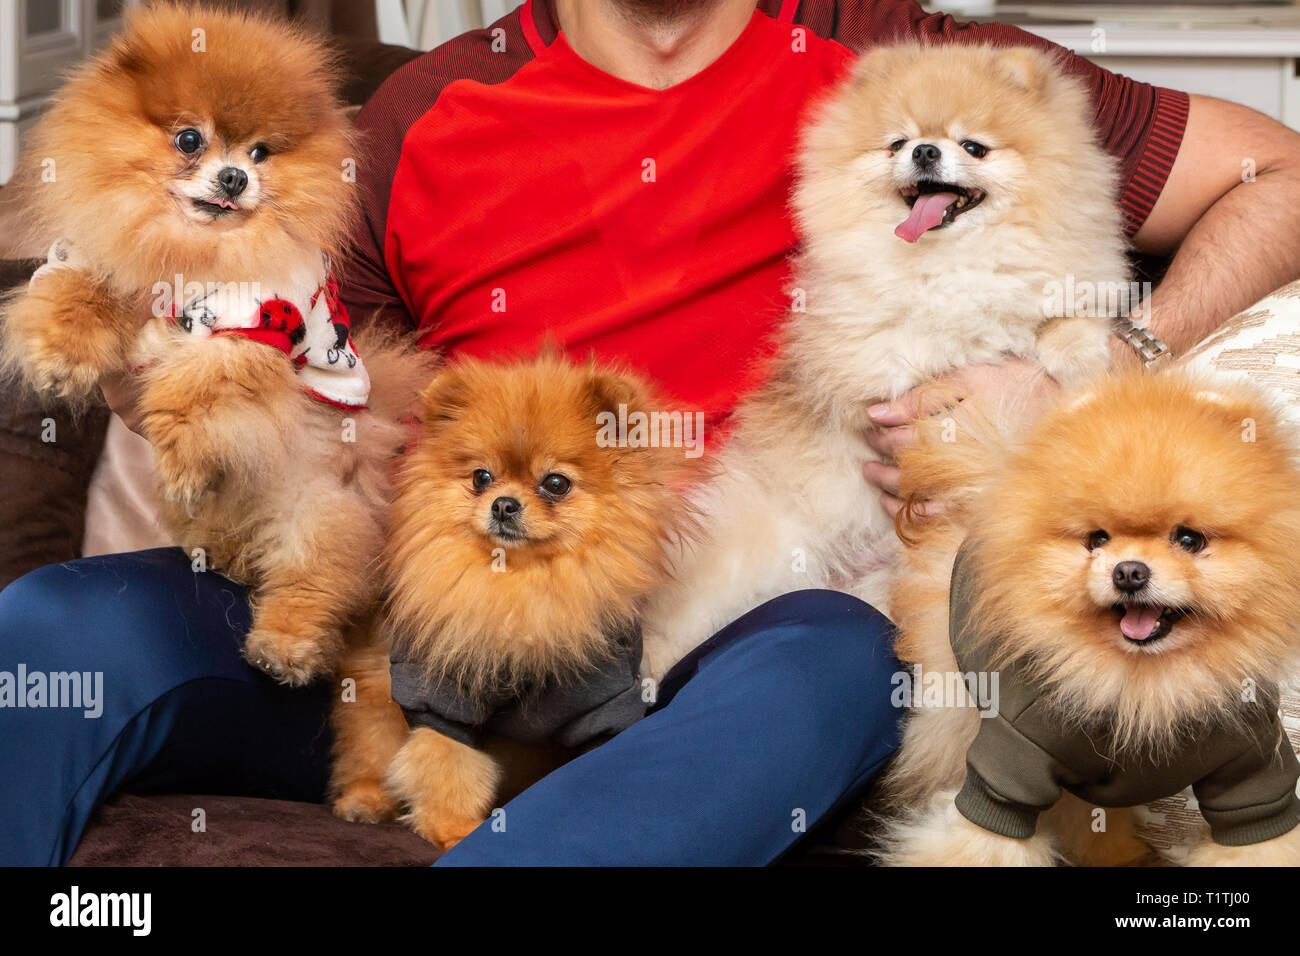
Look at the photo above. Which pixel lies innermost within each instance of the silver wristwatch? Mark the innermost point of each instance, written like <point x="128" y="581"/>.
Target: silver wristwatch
<point x="1154" y="353"/>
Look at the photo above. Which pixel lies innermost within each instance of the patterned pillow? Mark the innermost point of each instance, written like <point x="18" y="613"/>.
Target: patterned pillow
<point x="1260" y="345"/>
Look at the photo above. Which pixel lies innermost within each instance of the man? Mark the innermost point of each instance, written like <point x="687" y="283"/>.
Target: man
<point x="614" y="174"/>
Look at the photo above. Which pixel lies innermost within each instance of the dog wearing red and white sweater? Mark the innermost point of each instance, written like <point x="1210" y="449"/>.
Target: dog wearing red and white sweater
<point x="196" y="198"/>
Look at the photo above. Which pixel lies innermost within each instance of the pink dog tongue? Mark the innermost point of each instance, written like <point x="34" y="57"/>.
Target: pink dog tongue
<point x="927" y="212"/>
<point x="1138" y="622"/>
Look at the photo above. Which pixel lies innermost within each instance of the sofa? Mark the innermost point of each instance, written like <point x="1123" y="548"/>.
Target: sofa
<point x="43" y="495"/>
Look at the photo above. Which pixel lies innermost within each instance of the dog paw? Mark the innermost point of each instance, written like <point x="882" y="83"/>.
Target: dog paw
<point x="365" y="802"/>
<point x="63" y="254"/>
<point x="65" y="365"/>
<point x="186" y="490"/>
<point x="289" y="658"/>
<point x="1074" y="351"/>
<point x="443" y="830"/>
<point x="67" y="331"/>
<point x="59" y="375"/>
<point x="936" y="834"/>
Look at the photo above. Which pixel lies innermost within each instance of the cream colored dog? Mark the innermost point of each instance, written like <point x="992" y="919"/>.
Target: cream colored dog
<point x="949" y="198"/>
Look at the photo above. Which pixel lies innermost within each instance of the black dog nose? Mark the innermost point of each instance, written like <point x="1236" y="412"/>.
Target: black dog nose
<point x="504" y="509"/>
<point x="927" y="154"/>
<point x="233" y="180"/>
<point x="1131" y="575"/>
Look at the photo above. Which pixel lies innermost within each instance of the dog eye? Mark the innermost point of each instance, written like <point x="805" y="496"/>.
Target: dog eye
<point x="978" y="150"/>
<point x="1187" y="539"/>
<point x="896" y="145"/>
<point x="189" y="141"/>
<point x="1097" y="539"/>
<point x="555" y="485"/>
<point x="259" y="153"/>
<point x="481" y="479"/>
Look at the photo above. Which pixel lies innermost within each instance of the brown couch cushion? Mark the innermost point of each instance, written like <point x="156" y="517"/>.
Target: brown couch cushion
<point x="42" y="482"/>
<point x="158" y="830"/>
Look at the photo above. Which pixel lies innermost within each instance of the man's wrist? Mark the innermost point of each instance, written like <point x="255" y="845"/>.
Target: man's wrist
<point x="1122" y="356"/>
<point x="1145" y="349"/>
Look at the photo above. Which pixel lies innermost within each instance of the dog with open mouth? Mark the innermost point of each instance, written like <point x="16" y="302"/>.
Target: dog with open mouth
<point x="942" y="194"/>
<point x="1125" y="569"/>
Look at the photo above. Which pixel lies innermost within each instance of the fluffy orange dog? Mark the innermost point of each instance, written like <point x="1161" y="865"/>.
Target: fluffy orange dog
<point x="521" y="549"/>
<point x="1128" y="575"/>
<point x="194" y="172"/>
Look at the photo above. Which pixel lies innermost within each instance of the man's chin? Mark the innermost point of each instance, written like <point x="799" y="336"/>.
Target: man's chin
<point x="663" y="12"/>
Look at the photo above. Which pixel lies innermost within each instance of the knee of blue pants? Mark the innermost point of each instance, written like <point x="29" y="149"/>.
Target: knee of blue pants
<point x="157" y="644"/>
<point x="827" y="656"/>
<point x="128" y="616"/>
<point x="830" y="643"/>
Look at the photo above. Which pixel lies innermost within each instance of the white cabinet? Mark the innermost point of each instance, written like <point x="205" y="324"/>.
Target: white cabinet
<point x="39" y="40"/>
<point x="1247" y="54"/>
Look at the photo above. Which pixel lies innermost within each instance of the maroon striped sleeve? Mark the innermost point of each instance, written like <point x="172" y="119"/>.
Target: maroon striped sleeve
<point x="1163" y="137"/>
<point x="1142" y="125"/>
<point x="491" y="55"/>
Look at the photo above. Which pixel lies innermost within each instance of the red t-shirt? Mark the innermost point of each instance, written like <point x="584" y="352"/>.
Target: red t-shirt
<point x="513" y="192"/>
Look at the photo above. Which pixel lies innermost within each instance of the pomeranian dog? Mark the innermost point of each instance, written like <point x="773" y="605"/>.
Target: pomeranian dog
<point x="191" y="180"/>
<point x="525" y="537"/>
<point x="942" y="194"/>
<point x="1122" y="613"/>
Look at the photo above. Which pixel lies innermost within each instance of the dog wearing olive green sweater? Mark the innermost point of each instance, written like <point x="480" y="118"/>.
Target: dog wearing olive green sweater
<point x="1117" y="596"/>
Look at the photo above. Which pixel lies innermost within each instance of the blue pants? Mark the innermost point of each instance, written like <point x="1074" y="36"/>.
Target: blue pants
<point x="761" y="732"/>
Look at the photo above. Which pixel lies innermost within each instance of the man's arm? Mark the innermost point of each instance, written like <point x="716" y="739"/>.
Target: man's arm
<point x="1230" y="213"/>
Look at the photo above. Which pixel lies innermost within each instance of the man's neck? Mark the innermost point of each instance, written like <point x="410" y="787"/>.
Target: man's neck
<point x="654" y="43"/>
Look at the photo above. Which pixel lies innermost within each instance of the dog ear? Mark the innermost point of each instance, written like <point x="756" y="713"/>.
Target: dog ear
<point x="608" y="389"/>
<point x="444" y="398"/>
<point x="1238" y="412"/>
<point x="671" y="457"/>
<point x="1026" y="68"/>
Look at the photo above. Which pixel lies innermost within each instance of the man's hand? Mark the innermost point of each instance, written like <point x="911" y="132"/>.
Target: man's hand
<point x="1028" y="386"/>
